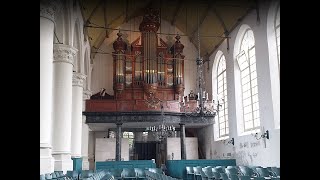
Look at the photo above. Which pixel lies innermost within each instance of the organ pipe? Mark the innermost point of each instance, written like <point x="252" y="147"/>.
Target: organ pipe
<point x="120" y="48"/>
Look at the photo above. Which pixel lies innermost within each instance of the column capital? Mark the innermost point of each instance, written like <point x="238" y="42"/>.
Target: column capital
<point x="87" y="94"/>
<point x="78" y="78"/>
<point x="48" y="8"/>
<point x="181" y="124"/>
<point x="64" y="53"/>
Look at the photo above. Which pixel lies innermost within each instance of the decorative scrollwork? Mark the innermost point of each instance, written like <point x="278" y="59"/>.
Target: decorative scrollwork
<point x="152" y="101"/>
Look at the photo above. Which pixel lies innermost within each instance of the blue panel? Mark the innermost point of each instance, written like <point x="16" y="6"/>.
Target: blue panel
<point x="77" y="164"/>
<point x="125" y="164"/>
<point x="177" y="168"/>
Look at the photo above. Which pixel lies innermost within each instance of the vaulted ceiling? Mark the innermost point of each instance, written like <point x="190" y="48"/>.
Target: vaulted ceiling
<point x="215" y="18"/>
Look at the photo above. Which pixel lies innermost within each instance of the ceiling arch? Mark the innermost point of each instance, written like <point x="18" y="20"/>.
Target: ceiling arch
<point x="216" y="18"/>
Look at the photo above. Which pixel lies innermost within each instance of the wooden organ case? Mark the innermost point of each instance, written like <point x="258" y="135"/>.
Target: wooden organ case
<point x="150" y="69"/>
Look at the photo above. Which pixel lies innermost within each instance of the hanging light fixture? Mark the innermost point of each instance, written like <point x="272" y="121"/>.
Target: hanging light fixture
<point x="199" y="104"/>
<point x="162" y="131"/>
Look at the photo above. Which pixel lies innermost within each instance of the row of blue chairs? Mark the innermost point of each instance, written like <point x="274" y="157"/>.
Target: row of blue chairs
<point x="218" y="171"/>
<point x="100" y="175"/>
<point x="70" y="175"/>
<point x="55" y="175"/>
<point x="115" y="173"/>
<point x="132" y="173"/>
<point x="158" y="176"/>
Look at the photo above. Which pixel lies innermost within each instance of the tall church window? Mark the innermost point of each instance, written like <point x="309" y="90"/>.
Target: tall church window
<point x="247" y="63"/>
<point x="222" y="93"/>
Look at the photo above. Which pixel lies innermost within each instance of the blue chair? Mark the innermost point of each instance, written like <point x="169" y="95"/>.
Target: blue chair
<point x="203" y="176"/>
<point x="89" y="178"/>
<point x="156" y="170"/>
<point x="276" y="171"/>
<point x="107" y="177"/>
<point x="216" y="175"/>
<point x="196" y="171"/>
<point x="269" y="168"/>
<point x="275" y="178"/>
<point x="218" y="169"/>
<point x="244" y="177"/>
<point x="232" y="167"/>
<point x="73" y="174"/>
<point x="231" y="170"/>
<point x="140" y="173"/>
<point x="246" y="171"/>
<point x="258" y="178"/>
<point x="42" y="177"/>
<point x="59" y="173"/>
<point x="222" y="167"/>
<point x="190" y="171"/>
<point x="86" y="173"/>
<point x="234" y="177"/>
<point x="263" y="172"/>
<point x="116" y="173"/>
<point x="128" y="173"/>
<point x="208" y="172"/>
<point x="48" y="176"/>
<point x="224" y="176"/>
<point x="254" y="169"/>
<point x="54" y="176"/>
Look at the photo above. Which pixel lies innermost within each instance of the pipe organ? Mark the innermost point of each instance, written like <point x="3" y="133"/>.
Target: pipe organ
<point x="151" y="68"/>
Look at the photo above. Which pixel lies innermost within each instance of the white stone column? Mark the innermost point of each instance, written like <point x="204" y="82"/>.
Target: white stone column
<point x="62" y="106"/>
<point x="85" y="133"/>
<point x="76" y="128"/>
<point x="47" y="12"/>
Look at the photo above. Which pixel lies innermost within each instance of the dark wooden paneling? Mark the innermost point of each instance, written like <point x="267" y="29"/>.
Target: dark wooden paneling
<point x="138" y="94"/>
<point x="101" y="106"/>
<point x="125" y="106"/>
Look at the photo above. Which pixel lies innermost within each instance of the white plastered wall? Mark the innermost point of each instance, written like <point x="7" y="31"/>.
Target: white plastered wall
<point x="174" y="148"/>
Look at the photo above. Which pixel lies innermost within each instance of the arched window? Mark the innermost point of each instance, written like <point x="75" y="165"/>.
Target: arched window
<point x="277" y="30"/>
<point x="222" y="93"/>
<point x="247" y="63"/>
